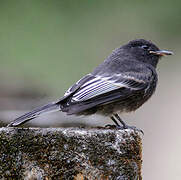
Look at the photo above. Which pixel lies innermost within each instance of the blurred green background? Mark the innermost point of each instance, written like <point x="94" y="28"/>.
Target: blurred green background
<point x="45" y="46"/>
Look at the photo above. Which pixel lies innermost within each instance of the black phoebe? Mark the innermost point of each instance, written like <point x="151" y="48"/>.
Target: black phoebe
<point x="122" y="83"/>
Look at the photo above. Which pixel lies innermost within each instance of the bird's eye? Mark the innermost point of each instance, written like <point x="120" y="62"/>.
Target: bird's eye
<point x="144" y="47"/>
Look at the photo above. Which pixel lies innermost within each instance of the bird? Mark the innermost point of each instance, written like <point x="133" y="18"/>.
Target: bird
<point x="123" y="82"/>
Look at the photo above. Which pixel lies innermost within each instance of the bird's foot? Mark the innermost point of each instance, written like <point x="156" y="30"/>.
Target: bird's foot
<point x="116" y="117"/>
<point x="132" y="127"/>
<point x="110" y="126"/>
<point x="119" y="127"/>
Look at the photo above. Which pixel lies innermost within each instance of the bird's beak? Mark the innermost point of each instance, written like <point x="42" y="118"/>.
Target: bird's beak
<point x="161" y="52"/>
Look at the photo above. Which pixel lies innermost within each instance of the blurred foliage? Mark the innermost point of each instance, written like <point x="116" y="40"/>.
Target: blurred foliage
<point x="46" y="45"/>
<point x="53" y="43"/>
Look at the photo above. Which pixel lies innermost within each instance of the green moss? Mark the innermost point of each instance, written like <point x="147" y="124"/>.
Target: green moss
<point x="69" y="153"/>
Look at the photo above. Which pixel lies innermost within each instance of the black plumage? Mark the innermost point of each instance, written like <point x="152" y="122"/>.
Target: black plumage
<point x="122" y="83"/>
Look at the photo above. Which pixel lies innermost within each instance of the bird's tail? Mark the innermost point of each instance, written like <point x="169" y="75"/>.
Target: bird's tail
<point x="51" y="107"/>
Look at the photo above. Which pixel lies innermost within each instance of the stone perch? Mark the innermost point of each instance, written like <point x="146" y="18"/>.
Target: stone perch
<point x="70" y="153"/>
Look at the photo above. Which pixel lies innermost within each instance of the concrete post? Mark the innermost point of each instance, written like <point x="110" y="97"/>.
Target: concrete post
<point x="70" y="153"/>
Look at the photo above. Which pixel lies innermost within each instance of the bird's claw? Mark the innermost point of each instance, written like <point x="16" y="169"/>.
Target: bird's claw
<point x="110" y="126"/>
<point x="133" y="128"/>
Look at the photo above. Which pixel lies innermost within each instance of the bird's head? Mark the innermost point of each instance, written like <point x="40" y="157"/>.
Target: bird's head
<point x="145" y="51"/>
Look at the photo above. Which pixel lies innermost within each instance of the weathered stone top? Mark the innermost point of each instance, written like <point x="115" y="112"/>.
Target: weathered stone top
<point x="70" y="153"/>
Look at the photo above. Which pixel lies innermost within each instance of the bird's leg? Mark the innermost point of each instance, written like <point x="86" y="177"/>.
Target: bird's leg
<point x="125" y="126"/>
<point x="117" y="125"/>
<point x="112" y="126"/>
<point x="116" y="117"/>
<point x="120" y="120"/>
<point x="114" y="120"/>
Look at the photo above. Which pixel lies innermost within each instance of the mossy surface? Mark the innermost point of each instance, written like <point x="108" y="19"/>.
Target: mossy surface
<point x="69" y="153"/>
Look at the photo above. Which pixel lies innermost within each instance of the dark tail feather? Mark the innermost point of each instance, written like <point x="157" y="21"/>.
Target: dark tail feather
<point x="51" y="107"/>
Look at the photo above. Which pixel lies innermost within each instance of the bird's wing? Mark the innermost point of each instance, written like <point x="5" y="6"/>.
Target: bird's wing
<point x="102" y="89"/>
<point x="76" y="86"/>
<point x="100" y="85"/>
<point x="98" y="89"/>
